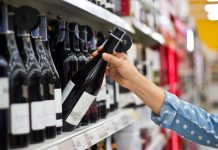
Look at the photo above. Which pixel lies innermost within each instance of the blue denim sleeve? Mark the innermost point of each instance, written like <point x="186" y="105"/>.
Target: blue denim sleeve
<point x="188" y="121"/>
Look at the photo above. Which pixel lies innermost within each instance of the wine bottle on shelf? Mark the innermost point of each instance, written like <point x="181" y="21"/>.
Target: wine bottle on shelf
<point x="110" y="89"/>
<point x="34" y="76"/>
<point x="18" y="88"/>
<point x="84" y="51"/>
<point x="57" y="91"/>
<point x="68" y="60"/>
<point x="78" y="47"/>
<point x="4" y="86"/>
<point x="101" y="99"/>
<point x="86" y="82"/>
<point x="109" y="5"/>
<point x="48" y="85"/>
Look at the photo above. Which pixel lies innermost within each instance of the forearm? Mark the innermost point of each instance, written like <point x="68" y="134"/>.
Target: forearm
<point x="151" y="94"/>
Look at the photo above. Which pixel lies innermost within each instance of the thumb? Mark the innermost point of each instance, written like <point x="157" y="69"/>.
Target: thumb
<point x="112" y="59"/>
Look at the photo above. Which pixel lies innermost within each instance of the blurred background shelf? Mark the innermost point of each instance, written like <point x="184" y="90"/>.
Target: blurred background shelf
<point x="85" y="137"/>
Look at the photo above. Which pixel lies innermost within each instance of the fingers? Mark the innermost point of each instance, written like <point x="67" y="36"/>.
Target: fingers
<point x="117" y="62"/>
<point x="100" y="48"/>
<point x="95" y="53"/>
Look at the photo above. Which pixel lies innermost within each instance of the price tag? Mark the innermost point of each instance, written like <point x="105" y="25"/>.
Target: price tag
<point x="53" y="148"/>
<point x="125" y="120"/>
<point x="80" y="142"/>
<point x="120" y="124"/>
<point x="93" y="136"/>
<point x="88" y="140"/>
<point x="115" y="126"/>
<point x="110" y="128"/>
<point x="67" y="145"/>
<point x="102" y="132"/>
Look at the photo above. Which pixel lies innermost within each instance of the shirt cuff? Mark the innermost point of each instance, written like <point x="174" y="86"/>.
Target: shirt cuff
<point x="167" y="112"/>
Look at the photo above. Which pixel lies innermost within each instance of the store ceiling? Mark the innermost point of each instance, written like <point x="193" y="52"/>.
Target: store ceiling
<point x="207" y="30"/>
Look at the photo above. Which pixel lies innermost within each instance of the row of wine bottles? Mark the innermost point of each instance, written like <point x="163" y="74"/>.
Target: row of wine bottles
<point x="107" y="4"/>
<point x="48" y="81"/>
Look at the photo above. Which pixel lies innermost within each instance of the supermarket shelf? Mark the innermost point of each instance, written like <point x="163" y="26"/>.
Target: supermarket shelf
<point x="85" y="12"/>
<point x="84" y="137"/>
<point x="146" y="35"/>
<point x="81" y="11"/>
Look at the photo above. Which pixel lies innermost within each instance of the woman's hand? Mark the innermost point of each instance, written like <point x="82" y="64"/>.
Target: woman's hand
<point x="119" y="68"/>
<point x="125" y="73"/>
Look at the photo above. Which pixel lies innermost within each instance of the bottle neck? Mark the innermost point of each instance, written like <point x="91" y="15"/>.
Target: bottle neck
<point x="43" y="28"/>
<point x="74" y="37"/>
<point x="83" y="39"/>
<point x="63" y="36"/>
<point x="35" y="33"/>
<point x="3" y="18"/>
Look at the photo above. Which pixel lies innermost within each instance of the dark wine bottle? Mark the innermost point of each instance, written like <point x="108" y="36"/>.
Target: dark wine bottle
<point x="84" y="51"/>
<point x="101" y="100"/>
<point x="68" y="63"/>
<point x="87" y="81"/>
<point x="18" y="89"/>
<point x="35" y="86"/>
<point x="48" y="84"/>
<point x="4" y="87"/>
<point x="111" y="92"/>
<point x="84" y="41"/>
<point x="57" y="83"/>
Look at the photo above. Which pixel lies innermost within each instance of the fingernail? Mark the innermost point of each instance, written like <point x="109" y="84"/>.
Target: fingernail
<point x="105" y="55"/>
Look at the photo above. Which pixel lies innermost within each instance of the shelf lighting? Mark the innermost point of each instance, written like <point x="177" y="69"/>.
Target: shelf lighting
<point x="211" y="8"/>
<point x="212" y="16"/>
<point x="212" y="0"/>
<point x="190" y="40"/>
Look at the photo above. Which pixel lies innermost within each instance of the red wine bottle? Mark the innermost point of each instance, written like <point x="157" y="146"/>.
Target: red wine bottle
<point x="84" y="51"/>
<point x="68" y="62"/>
<point x="4" y="87"/>
<point x="22" y="18"/>
<point x="101" y="99"/>
<point x="48" y="84"/>
<point x="57" y="90"/>
<point x="87" y="81"/>
<point x="18" y="90"/>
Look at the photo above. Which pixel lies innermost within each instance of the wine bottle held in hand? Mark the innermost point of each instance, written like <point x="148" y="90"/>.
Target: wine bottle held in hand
<point x="86" y="82"/>
<point x="22" y="18"/>
<point x="57" y="91"/>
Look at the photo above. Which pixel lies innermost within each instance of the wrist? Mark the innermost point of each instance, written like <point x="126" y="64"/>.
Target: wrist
<point x="136" y="80"/>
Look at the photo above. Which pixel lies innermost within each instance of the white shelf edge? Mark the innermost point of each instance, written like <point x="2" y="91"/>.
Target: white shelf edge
<point x="89" y="135"/>
<point x="101" y="13"/>
<point x="148" y="31"/>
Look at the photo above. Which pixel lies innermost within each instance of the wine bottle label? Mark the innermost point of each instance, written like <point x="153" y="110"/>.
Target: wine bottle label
<point x="59" y="123"/>
<point x="58" y="102"/>
<point x="25" y="91"/>
<point x="80" y="108"/>
<point x="51" y="89"/>
<point x="102" y="93"/>
<point x="70" y="85"/>
<point x="49" y="112"/>
<point x="37" y="115"/>
<point x="111" y="93"/>
<point x="4" y="93"/>
<point x="20" y="119"/>
<point x="108" y="101"/>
